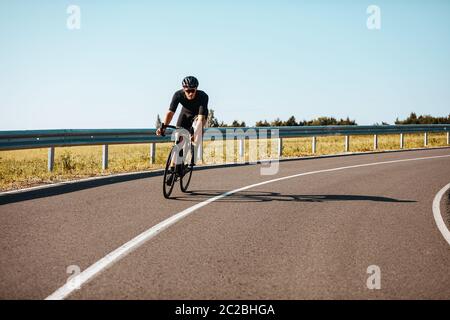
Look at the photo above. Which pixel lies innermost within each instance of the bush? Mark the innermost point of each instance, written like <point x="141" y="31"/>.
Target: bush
<point x="67" y="161"/>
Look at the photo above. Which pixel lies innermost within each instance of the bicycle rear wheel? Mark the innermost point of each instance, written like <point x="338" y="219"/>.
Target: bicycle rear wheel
<point x="187" y="169"/>
<point x="167" y="188"/>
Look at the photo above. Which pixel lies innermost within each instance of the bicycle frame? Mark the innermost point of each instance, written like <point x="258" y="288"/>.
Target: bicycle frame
<point x="182" y="171"/>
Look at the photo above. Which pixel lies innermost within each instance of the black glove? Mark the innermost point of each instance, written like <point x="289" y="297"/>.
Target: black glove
<point x="163" y="129"/>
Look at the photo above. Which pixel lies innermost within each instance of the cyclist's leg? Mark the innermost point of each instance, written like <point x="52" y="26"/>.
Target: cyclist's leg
<point x="197" y="125"/>
<point x="198" y="136"/>
<point x="183" y="122"/>
<point x="182" y="143"/>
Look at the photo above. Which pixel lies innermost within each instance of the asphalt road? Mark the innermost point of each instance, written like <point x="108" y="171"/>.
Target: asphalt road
<point x="307" y="237"/>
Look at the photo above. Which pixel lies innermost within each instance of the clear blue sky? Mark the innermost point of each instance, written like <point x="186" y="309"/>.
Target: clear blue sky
<point x="256" y="60"/>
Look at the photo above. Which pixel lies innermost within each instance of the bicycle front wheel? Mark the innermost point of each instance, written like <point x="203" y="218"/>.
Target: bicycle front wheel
<point x="169" y="176"/>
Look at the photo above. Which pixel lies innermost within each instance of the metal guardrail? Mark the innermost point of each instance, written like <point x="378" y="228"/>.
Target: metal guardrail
<point x="28" y="139"/>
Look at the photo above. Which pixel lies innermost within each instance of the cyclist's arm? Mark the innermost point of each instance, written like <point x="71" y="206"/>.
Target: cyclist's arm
<point x="169" y="115"/>
<point x="203" y="111"/>
<point x="202" y="119"/>
<point x="167" y="119"/>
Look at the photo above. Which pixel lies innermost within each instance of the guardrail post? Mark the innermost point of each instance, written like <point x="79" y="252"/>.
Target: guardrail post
<point x="375" y="142"/>
<point x="241" y="149"/>
<point x="448" y="137"/>
<point x="425" y="139"/>
<point x="105" y="157"/>
<point x="314" y="144"/>
<point x="280" y="147"/>
<point x="402" y="140"/>
<point x="51" y="158"/>
<point x="347" y="143"/>
<point x="152" y="152"/>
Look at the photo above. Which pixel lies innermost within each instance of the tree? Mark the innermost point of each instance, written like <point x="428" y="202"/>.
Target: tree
<point x="324" y="121"/>
<point x="346" y="122"/>
<point x="276" y="123"/>
<point x="158" y="121"/>
<point x="320" y="121"/>
<point x="291" y="122"/>
<point x="212" y="120"/>
<point x="236" y="123"/>
<point x="262" y="124"/>
<point x="423" y="119"/>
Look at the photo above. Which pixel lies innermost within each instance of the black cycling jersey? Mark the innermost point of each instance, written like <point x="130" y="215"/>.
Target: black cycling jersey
<point x="191" y="108"/>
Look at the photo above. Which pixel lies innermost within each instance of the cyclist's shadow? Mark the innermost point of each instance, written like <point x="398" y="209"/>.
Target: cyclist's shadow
<point x="265" y="196"/>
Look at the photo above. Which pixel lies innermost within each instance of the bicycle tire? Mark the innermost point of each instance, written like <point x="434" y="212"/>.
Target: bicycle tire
<point x="167" y="190"/>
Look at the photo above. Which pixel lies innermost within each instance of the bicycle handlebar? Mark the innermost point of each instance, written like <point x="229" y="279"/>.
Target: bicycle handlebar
<point x="170" y="127"/>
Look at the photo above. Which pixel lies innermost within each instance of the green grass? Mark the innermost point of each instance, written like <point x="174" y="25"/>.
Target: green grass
<point x="24" y="168"/>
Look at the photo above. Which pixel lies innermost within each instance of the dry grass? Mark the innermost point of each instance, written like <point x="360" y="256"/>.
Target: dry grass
<point x="24" y="168"/>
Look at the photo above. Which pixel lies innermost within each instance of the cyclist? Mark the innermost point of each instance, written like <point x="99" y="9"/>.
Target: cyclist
<point x="193" y="114"/>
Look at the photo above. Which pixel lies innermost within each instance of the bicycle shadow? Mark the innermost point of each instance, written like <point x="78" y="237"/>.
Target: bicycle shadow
<point x="265" y="196"/>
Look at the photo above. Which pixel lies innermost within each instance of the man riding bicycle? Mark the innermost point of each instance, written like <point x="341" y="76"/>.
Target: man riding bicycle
<point x="194" y="112"/>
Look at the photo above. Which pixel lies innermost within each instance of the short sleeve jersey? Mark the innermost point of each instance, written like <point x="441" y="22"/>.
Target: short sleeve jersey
<point x="191" y="108"/>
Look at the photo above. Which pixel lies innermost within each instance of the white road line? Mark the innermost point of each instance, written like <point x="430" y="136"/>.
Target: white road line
<point x="437" y="213"/>
<point x="135" y="243"/>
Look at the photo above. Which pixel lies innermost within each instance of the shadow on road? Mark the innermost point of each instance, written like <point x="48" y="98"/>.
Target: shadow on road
<point x="264" y="196"/>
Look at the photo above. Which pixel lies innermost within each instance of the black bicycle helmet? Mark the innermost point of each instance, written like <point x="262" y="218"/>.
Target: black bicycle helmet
<point x="190" y="82"/>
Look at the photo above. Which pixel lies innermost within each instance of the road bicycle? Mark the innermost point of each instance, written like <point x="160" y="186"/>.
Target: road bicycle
<point x="184" y="162"/>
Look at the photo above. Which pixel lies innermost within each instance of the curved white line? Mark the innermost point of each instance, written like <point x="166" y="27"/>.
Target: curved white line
<point x="135" y="243"/>
<point x="437" y="213"/>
